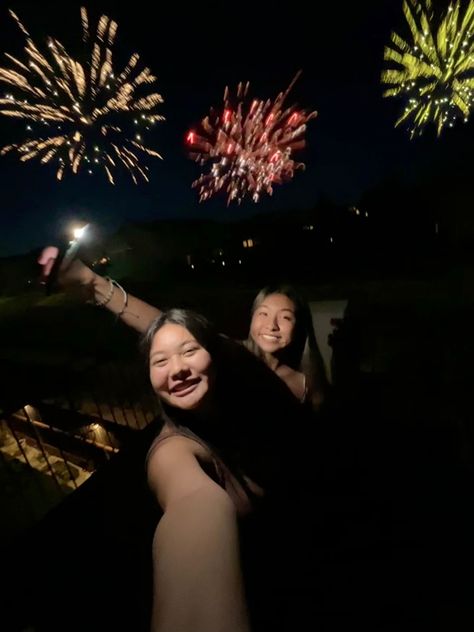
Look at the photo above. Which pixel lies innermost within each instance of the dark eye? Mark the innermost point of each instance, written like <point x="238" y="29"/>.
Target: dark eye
<point x="159" y="362"/>
<point x="262" y="313"/>
<point x="190" y="351"/>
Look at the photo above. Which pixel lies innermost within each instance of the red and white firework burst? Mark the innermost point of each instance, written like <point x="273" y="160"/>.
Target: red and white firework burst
<point x="248" y="145"/>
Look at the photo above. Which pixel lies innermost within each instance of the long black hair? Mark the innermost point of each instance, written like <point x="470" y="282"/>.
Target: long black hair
<point x="253" y="408"/>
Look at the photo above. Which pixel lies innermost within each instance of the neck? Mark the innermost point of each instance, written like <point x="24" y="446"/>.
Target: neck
<point x="272" y="361"/>
<point x="204" y="413"/>
<point x="206" y="410"/>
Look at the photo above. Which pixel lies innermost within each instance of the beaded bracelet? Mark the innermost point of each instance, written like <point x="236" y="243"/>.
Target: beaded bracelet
<point x="125" y="298"/>
<point x="106" y="300"/>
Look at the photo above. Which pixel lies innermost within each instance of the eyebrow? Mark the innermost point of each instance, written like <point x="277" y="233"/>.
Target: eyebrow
<point x="180" y="346"/>
<point x="284" y="309"/>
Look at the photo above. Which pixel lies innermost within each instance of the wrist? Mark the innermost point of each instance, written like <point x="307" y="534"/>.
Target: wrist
<point x="99" y="289"/>
<point x="99" y="284"/>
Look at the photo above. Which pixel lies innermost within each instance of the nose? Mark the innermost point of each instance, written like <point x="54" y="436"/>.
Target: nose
<point x="178" y="368"/>
<point x="274" y="324"/>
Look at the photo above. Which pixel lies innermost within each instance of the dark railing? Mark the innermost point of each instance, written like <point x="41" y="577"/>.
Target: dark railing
<point x="85" y="565"/>
<point x="70" y="494"/>
<point x="50" y="447"/>
<point x="112" y="393"/>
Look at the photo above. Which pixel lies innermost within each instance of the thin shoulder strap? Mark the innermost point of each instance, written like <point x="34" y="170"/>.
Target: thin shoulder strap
<point x="305" y="389"/>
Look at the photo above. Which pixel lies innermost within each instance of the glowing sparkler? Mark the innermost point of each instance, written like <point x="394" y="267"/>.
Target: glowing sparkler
<point x="249" y="147"/>
<point x="435" y="67"/>
<point x="79" y="116"/>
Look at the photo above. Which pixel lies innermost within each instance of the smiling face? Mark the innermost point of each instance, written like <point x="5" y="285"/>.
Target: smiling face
<point x="180" y="367"/>
<point x="273" y="323"/>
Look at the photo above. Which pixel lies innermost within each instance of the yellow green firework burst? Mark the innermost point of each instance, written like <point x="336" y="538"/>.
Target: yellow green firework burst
<point x="433" y="70"/>
<point x="81" y="115"/>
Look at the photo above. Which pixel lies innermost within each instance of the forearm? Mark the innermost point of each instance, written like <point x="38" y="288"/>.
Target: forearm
<point x="197" y="575"/>
<point x="136" y="313"/>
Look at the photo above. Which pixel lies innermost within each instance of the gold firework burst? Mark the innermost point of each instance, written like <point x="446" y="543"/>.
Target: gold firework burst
<point x="435" y="68"/>
<point x="81" y="116"/>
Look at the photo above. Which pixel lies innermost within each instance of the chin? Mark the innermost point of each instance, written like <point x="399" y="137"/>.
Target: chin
<point x="269" y="347"/>
<point x="186" y="405"/>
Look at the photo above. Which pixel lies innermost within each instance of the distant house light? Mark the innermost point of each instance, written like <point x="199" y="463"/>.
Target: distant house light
<point x="308" y="227"/>
<point x="248" y="243"/>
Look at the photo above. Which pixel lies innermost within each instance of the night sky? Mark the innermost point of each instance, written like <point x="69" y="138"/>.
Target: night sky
<point x="195" y="52"/>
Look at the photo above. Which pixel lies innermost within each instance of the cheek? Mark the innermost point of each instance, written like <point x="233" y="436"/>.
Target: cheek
<point x="157" y="378"/>
<point x="254" y="325"/>
<point x="201" y="364"/>
<point x="289" y="329"/>
<point x="207" y="370"/>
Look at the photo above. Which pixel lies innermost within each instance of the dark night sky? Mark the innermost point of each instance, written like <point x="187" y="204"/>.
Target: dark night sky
<point x="195" y="52"/>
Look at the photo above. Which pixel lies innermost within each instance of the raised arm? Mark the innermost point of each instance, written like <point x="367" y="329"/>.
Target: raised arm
<point x="101" y="290"/>
<point x="197" y="571"/>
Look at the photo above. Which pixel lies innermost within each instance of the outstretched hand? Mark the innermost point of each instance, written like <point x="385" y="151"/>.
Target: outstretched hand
<point x="76" y="273"/>
<point x="47" y="260"/>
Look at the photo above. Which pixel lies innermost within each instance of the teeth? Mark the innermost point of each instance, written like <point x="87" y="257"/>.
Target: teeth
<point x="268" y="337"/>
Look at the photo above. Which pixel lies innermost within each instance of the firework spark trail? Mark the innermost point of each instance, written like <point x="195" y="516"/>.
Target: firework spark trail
<point x="249" y="146"/>
<point x="92" y="107"/>
<point x="434" y="68"/>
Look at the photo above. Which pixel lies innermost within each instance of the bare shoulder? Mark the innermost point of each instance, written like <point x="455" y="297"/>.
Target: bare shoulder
<point x="171" y="449"/>
<point x="170" y="441"/>
<point x="173" y="468"/>
<point x="295" y="380"/>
